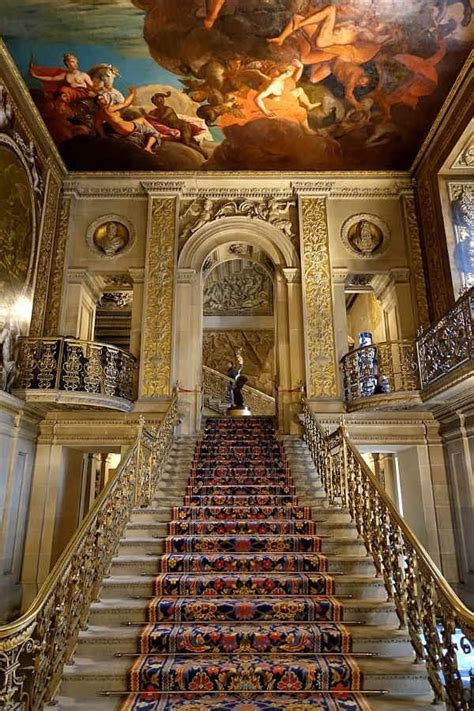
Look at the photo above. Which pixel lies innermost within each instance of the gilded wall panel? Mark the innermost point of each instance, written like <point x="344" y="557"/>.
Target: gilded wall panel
<point x="55" y="291"/>
<point x="416" y="256"/>
<point x="159" y="287"/>
<point x="320" y="345"/>
<point x="46" y="249"/>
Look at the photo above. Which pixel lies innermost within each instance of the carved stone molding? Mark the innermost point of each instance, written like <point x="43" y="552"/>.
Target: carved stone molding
<point x="137" y="275"/>
<point x="334" y="189"/>
<point x="57" y="274"/>
<point x="45" y="257"/>
<point x="400" y="275"/>
<point x="160" y="187"/>
<point x="74" y="188"/>
<point x="237" y="193"/>
<point x="273" y="209"/>
<point x="320" y="345"/>
<point x="416" y="259"/>
<point x="339" y="275"/>
<point x="292" y="275"/>
<point x="186" y="276"/>
<point x="159" y="287"/>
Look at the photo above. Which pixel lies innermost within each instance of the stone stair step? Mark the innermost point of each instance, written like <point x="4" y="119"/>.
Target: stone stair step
<point x="388" y="702"/>
<point x="359" y="586"/>
<point x="387" y="673"/>
<point x="103" y="642"/>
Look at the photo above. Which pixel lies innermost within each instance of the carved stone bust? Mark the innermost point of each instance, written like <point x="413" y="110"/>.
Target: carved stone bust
<point x="365" y="235"/>
<point x="110" y="236"/>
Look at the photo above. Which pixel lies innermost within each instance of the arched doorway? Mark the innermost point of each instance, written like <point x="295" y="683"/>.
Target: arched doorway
<point x="283" y="262"/>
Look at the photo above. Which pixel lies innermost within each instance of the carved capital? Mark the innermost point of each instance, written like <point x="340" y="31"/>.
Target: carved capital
<point x="339" y="275"/>
<point x="137" y="275"/>
<point x="186" y="276"/>
<point x="292" y="276"/>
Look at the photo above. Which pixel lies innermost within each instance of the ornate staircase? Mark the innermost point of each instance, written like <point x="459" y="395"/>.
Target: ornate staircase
<point x="242" y="580"/>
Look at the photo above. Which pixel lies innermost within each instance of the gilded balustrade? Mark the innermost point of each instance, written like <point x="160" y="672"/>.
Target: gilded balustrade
<point x="424" y="601"/>
<point x="35" y="648"/>
<point x="382" y="368"/>
<point x="449" y="344"/>
<point x="74" y="366"/>
<point x="216" y="386"/>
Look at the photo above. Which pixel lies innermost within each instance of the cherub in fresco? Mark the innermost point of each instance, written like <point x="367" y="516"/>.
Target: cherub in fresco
<point x="71" y="83"/>
<point x="139" y="131"/>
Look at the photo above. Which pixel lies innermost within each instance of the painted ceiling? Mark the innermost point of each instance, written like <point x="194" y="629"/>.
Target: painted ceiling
<point x="238" y="84"/>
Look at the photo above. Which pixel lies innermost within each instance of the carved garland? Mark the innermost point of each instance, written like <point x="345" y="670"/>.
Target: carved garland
<point x="320" y="346"/>
<point x="157" y="336"/>
<point x="416" y="259"/>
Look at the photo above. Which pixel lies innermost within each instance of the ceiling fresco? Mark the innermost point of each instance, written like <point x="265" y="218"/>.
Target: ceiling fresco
<point x="238" y="84"/>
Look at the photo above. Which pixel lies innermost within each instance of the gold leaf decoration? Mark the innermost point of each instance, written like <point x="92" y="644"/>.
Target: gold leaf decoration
<point x="321" y="352"/>
<point x="159" y="286"/>
<point x="45" y="259"/>
<point x="416" y="259"/>
<point x="51" y="325"/>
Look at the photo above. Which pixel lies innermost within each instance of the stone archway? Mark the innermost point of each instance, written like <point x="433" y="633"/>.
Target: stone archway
<point x="288" y="309"/>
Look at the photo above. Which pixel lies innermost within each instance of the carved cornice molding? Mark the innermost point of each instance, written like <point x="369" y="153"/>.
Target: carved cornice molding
<point x="75" y="188"/>
<point x="163" y="187"/>
<point x="238" y="192"/>
<point x="334" y="189"/>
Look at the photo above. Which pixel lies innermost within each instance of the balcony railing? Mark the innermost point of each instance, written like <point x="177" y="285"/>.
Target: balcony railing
<point x="448" y="347"/>
<point x="216" y="388"/>
<point x="35" y="648"/>
<point x="425" y="603"/>
<point x="381" y="371"/>
<point x="73" y="371"/>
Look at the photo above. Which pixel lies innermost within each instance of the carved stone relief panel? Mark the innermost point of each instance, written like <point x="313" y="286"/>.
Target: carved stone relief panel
<point x="257" y="347"/>
<point x="238" y="287"/>
<point x="278" y="211"/>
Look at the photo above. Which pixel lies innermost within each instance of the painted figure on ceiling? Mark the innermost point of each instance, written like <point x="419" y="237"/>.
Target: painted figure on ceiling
<point x="70" y="82"/>
<point x="139" y="131"/>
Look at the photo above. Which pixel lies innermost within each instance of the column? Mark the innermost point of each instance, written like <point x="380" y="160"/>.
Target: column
<point x="339" y="276"/>
<point x="188" y="347"/>
<point x="296" y="348"/>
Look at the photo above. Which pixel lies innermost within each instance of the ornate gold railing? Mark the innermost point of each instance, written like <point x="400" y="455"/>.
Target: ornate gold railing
<point x="424" y="601"/>
<point x="216" y="386"/>
<point x="382" y="368"/>
<point x="75" y="366"/>
<point x="35" y="648"/>
<point x="449" y="344"/>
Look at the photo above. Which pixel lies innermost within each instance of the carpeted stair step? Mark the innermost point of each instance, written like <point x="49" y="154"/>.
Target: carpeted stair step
<point x="249" y="500"/>
<point x="242" y="544"/>
<point x="225" y="638"/>
<point x="214" y="584"/>
<point x="243" y="562"/>
<point x="245" y="673"/>
<point x="264" y="702"/>
<point x="226" y="512"/>
<point x="249" y="526"/>
<point x="279" y="608"/>
<point x="358" y="586"/>
<point x="98" y="642"/>
<point x="241" y="490"/>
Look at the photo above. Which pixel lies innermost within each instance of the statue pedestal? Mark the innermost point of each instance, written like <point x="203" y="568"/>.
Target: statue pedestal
<point x="238" y="411"/>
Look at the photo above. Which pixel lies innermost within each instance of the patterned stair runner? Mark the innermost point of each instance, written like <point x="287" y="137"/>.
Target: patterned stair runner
<point x="244" y="616"/>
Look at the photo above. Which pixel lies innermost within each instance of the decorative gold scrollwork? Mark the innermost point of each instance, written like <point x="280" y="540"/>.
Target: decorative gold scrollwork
<point x="423" y="599"/>
<point x="35" y="648"/>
